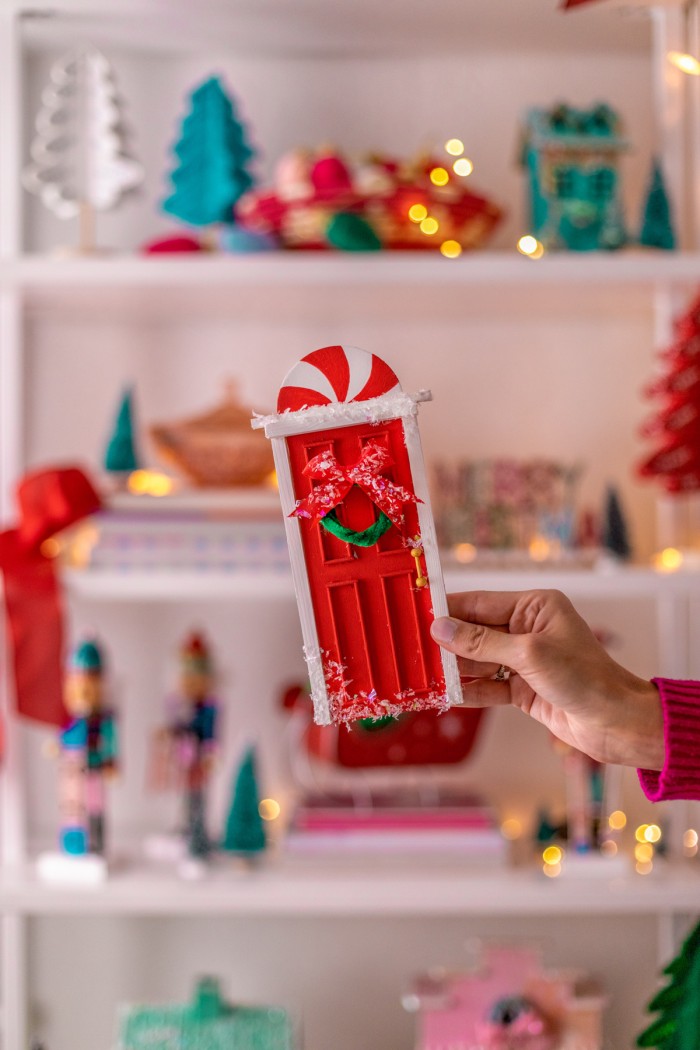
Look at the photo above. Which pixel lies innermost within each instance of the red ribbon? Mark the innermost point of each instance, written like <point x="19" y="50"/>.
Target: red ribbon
<point x="573" y="3"/>
<point x="48" y="501"/>
<point x="338" y="480"/>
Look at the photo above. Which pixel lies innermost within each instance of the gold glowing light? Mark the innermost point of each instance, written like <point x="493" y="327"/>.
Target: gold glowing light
<point x="149" y="483"/>
<point x="439" y="177"/>
<point x="690" y="838"/>
<point x="451" y="249"/>
<point x="417" y="212"/>
<point x="530" y="246"/>
<point x="454" y="147"/>
<point x="50" y="548"/>
<point x="552" y="855"/>
<point x="617" y="820"/>
<point x="643" y="852"/>
<point x="551" y="870"/>
<point x="641" y="833"/>
<point x="653" y="833"/>
<point x="539" y="548"/>
<point x="608" y="848"/>
<point x="643" y="867"/>
<point x="685" y="62"/>
<point x="511" y="829"/>
<point x="429" y="226"/>
<point x="465" y="552"/>
<point x="463" y="167"/>
<point x="668" y="560"/>
<point x="269" y="809"/>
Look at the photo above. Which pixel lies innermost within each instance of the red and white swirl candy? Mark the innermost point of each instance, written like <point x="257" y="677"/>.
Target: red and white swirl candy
<point x="335" y="374"/>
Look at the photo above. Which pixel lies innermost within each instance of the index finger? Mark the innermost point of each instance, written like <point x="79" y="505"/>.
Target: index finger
<point x="492" y="608"/>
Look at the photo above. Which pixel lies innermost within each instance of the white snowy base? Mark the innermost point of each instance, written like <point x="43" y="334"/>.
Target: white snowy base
<point x="595" y="865"/>
<point x="66" y="869"/>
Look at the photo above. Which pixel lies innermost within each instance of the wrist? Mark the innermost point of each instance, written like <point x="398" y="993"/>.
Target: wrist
<point x="644" y="742"/>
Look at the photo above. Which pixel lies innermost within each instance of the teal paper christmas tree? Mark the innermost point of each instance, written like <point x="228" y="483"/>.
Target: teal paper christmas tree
<point x="245" y="832"/>
<point x="120" y="455"/>
<point x="212" y="155"/>
<point x="678" y="1004"/>
<point x="615" y="532"/>
<point x="657" y="223"/>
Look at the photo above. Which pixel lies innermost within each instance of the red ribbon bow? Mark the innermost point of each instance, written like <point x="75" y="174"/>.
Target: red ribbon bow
<point x="49" y="501"/>
<point x="338" y="480"/>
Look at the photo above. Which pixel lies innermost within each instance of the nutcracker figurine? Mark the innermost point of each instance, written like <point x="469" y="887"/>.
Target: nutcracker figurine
<point x="87" y="753"/>
<point x="187" y="744"/>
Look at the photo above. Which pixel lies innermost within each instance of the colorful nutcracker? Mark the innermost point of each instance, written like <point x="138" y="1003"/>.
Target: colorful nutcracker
<point x="187" y="745"/>
<point x="362" y="538"/>
<point x="88" y="753"/>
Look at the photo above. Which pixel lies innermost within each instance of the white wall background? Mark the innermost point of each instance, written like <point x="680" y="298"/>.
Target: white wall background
<point x="544" y="372"/>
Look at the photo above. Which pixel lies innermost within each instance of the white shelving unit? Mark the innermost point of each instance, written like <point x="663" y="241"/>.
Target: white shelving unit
<point x="36" y="286"/>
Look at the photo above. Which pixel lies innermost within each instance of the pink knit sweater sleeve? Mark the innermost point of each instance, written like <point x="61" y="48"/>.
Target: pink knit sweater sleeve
<point x="680" y="776"/>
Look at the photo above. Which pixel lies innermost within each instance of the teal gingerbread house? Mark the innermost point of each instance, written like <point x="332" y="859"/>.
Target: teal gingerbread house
<point x="571" y="158"/>
<point x="207" y="1023"/>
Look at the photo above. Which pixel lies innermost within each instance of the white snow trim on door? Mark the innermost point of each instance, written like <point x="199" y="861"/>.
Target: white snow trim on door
<point x="341" y="414"/>
<point x="312" y="651"/>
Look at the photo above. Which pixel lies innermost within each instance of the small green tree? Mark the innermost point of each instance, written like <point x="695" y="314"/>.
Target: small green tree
<point x="245" y="832"/>
<point x="615" y="532"/>
<point x="657" y="223"/>
<point x="120" y="455"/>
<point x="212" y="155"/>
<point x="678" y="1004"/>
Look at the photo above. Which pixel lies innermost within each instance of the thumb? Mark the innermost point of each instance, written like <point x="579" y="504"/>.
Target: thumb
<point x="473" y="640"/>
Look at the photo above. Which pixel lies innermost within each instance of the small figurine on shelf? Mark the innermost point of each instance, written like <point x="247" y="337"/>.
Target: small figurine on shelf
<point x="244" y="833"/>
<point x="81" y="160"/>
<point x="571" y="158"/>
<point x="208" y="1022"/>
<point x="120" y="457"/>
<point x="212" y="159"/>
<point x="87" y="755"/>
<point x="186" y="746"/>
<point x="657" y="220"/>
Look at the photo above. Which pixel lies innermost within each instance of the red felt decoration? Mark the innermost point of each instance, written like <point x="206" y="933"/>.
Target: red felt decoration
<point x="49" y="501"/>
<point x="574" y="3"/>
<point x="676" y="426"/>
<point x="368" y="473"/>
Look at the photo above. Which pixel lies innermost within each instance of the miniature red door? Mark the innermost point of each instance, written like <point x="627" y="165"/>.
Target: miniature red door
<point x="361" y="535"/>
<point x="373" y="623"/>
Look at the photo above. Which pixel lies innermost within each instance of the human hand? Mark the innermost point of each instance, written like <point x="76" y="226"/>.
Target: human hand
<point x="560" y="673"/>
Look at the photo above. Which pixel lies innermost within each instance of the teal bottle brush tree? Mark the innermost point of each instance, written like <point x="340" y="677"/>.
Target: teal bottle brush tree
<point x="120" y="455"/>
<point x="244" y="833"/>
<point x="212" y="159"/>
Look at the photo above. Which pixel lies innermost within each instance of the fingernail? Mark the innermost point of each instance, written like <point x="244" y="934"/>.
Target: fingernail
<point x="444" y="629"/>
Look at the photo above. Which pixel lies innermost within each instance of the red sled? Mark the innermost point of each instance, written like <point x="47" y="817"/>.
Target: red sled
<point x="361" y="538"/>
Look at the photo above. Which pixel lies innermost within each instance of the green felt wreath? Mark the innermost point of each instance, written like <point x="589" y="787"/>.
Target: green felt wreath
<point x="367" y="538"/>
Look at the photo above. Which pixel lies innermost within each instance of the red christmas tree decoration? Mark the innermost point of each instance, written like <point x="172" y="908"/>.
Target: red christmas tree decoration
<point x="676" y="426"/>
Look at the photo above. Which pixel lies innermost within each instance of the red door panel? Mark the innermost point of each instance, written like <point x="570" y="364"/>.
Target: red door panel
<point x="373" y="623"/>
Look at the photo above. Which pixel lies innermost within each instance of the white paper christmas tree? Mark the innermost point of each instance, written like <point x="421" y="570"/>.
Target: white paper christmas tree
<point x="80" y="158"/>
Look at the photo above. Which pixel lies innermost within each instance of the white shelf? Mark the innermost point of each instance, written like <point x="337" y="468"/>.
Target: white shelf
<point x="44" y="276"/>
<point x="164" y="585"/>
<point x="161" y="585"/>
<point x="354" y="888"/>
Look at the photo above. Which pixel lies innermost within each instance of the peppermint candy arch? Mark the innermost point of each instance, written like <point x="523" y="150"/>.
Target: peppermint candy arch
<point x="335" y="374"/>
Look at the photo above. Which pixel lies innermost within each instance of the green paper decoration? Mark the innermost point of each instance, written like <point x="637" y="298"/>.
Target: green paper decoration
<point x="245" y="831"/>
<point x="657" y="221"/>
<point x="212" y="154"/>
<point x="678" y="1004"/>
<point x="366" y="538"/>
<point x="120" y="455"/>
<point x="207" y="1023"/>
<point x="351" y="233"/>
